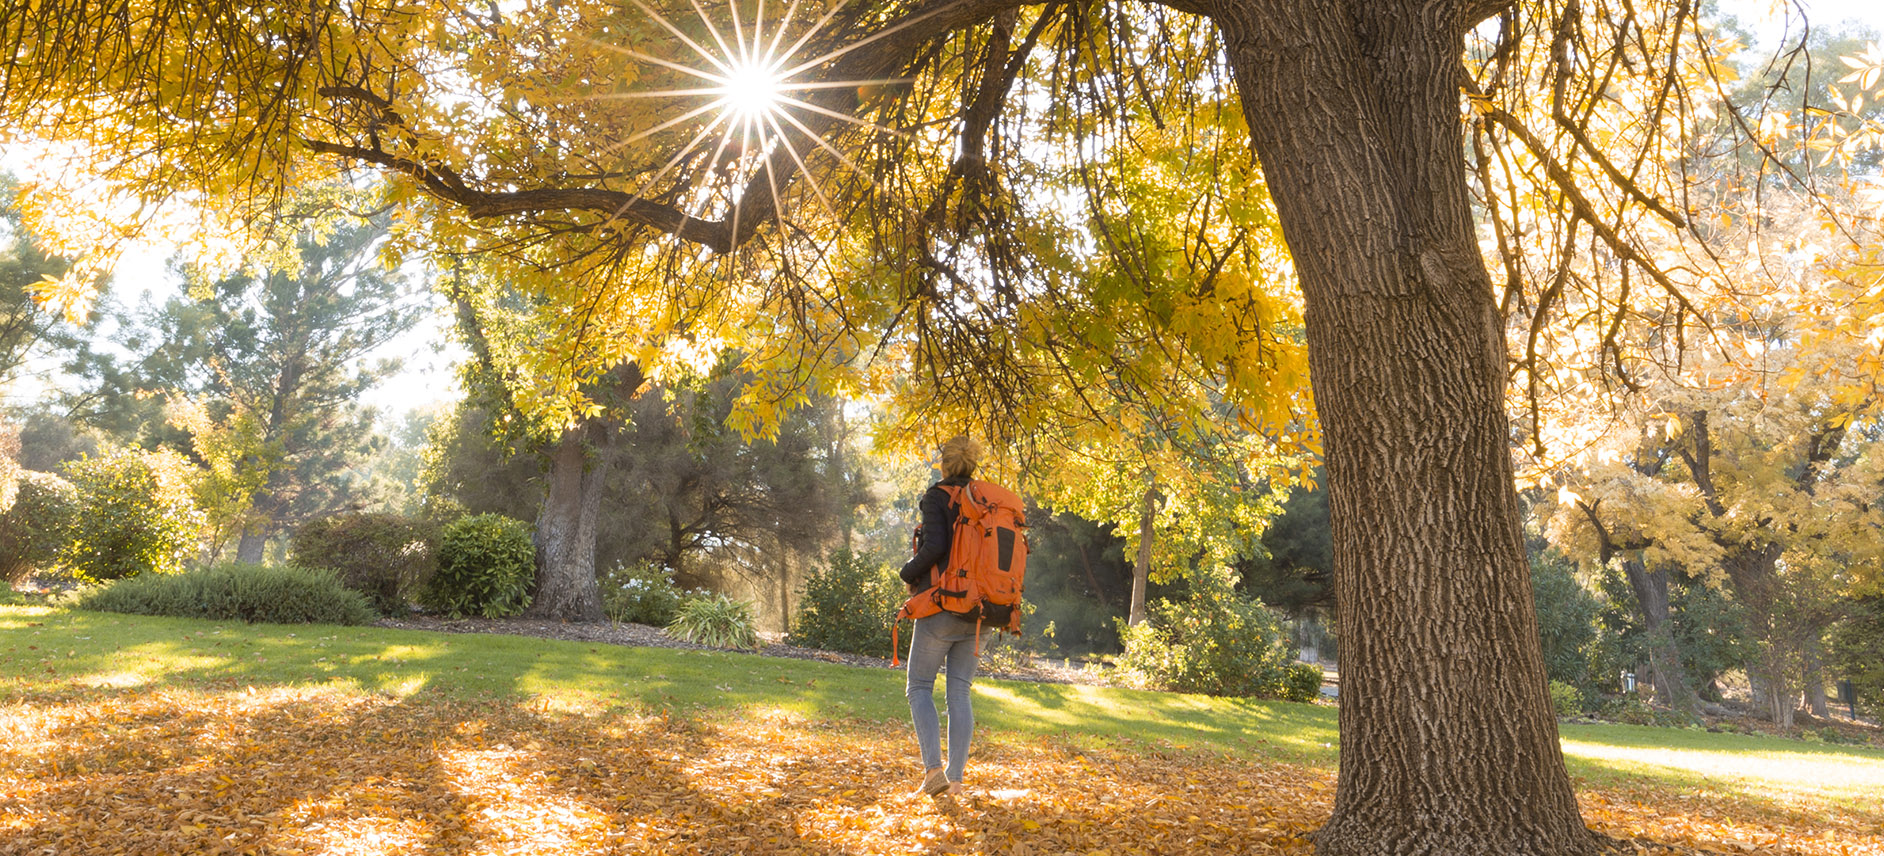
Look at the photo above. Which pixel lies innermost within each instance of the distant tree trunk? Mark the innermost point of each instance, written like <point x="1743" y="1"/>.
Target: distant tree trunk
<point x="1816" y="700"/>
<point x="566" y="587"/>
<point x="784" y="592"/>
<point x="1664" y="653"/>
<point x="250" y="548"/>
<point x="1774" y="672"/>
<point x="1147" y="532"/>
<point x="1092" y="580"/>
<point x="1448" y="742"/>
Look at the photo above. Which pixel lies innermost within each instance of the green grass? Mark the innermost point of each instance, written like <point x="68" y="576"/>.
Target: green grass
<point x="49" y="650"/>
<point x="1740" y="765"/>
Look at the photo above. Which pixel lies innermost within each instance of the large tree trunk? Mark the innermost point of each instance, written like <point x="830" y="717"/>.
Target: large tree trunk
<point x="1665" y="675"/>
<point x="1448" y="744"/>
<point x="565" y="528"/>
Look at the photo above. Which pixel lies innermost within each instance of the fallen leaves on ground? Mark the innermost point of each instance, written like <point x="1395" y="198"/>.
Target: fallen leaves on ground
<point x="311" y="771"/>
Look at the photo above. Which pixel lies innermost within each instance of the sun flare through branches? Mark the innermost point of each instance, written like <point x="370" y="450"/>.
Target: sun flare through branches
<point x="755" y="110"/>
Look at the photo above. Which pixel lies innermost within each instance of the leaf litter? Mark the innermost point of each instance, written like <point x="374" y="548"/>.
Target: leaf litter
<point x="296" y="770"/>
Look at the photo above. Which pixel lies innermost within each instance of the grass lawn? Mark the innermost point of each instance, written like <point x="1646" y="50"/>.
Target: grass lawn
<point x="171" y="735"/>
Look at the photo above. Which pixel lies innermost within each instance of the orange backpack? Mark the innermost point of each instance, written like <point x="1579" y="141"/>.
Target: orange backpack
<point x="987" y="562"/>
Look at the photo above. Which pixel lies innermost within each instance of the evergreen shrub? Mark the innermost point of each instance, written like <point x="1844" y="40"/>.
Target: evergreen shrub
<point x="235" y="591"/>
<point x="1301" y="682"/>
<point x="1566" y="619"/>
<point x="846" y="606"/>
<point x="1857" y="646"/>
<point x="383" y="556"/>
<point x="640" y="593"/>
<point x="34" y="528"/>
<point x="133" y="513"/>
<point x="715" y="620"/>
<point x="1080" y="624"/>
<point x="1631" y="710"/>
<point x="1214" y="641"/>
<point x="1565" y="699"/>
<point x="486" y="563"/>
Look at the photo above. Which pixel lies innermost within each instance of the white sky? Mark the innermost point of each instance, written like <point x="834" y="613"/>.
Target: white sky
<point x="430" y="350"/>
<point x="1766" y="16"/>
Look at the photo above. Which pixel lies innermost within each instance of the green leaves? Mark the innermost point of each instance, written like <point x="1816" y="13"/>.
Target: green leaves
<point x="134" y="514"/>
<point x="846" y="605"/>
<point x="486" y="565"/>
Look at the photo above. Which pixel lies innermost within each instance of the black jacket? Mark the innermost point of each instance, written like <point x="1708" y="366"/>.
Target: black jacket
<point x="938" y="526"/>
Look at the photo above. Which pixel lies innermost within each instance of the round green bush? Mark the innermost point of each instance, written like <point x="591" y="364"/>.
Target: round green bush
<point x="133" y="513"/>
<point x="640" y="593"/>
<point x="383" y="556"/>
<point x="34" y="528"/>
<point x="715" y="620"/>
<point x="1301" y="682"/>
<point x="486" y="564"/>
<point x="235" y="591"/>
<point x="846" y="606"/>
<point x="1565" y="699"/>
<point x="1214" y="642"/>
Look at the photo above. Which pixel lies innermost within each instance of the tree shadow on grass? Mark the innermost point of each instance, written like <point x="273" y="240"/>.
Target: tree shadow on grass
<point x="292" y="770"/>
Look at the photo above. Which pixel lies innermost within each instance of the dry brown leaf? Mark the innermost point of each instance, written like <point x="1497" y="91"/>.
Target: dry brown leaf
<point x="309" y="771"/>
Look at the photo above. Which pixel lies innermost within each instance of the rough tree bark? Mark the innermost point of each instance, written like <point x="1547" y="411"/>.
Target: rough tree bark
<point x="1448" y="745"/>
<point x="565" y="527"/>
<point x="566" y="587"/>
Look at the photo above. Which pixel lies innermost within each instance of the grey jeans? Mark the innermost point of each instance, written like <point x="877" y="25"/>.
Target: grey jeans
<point x="936" y="641"/>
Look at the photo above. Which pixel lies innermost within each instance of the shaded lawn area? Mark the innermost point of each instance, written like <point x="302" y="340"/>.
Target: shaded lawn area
<point x="146" y="735"/>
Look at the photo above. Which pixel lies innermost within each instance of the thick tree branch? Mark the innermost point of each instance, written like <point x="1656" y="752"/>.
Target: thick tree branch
<point x="1700" y="461"/>
<point x="479" y="204"/>
<point x="1475" y="12"/>
<point x="1607" y="545"/>
<point x="1820" y="448"/>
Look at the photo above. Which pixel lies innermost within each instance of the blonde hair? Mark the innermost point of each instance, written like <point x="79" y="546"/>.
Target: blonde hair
<point x="959" y="457"/>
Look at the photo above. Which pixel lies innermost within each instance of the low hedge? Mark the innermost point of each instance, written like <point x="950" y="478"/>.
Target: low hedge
<point x="235" y="591"/>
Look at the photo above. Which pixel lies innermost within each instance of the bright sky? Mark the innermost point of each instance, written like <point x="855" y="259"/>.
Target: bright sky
<point x="1817" y="12"/>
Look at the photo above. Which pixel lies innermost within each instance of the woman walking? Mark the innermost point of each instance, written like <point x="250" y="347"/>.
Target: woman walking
<point x="943" y="640"/>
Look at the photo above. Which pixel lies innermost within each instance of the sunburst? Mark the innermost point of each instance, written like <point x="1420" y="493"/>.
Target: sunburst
<point x="754" y="95"/>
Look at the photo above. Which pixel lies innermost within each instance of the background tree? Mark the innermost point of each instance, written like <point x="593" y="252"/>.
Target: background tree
<point x="266" y="370"/>
<point x="49" y="439"/>
<point x="1079" y="580"/>
<point x="1749" y="465"/>
<point x="680" y="487"/>
<point x="1294" y="571"/>
<point x="24" y="321"/>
